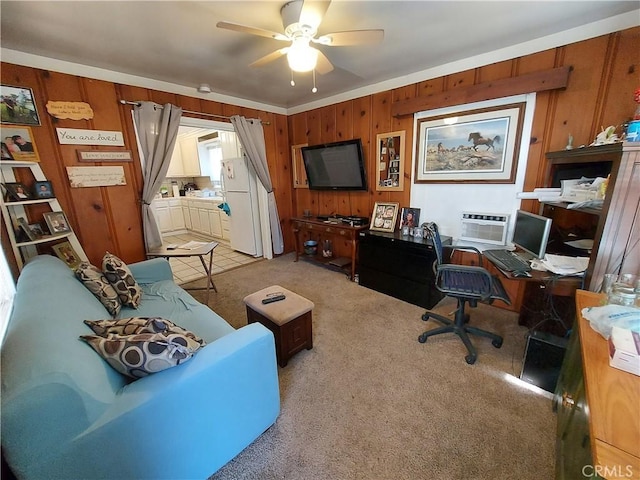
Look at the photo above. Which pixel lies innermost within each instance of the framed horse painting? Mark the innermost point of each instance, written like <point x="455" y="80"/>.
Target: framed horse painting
<point x="476" y="146"/>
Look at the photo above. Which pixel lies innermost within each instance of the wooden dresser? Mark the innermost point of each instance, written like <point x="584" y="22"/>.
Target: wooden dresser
<point x="607" y="399"/>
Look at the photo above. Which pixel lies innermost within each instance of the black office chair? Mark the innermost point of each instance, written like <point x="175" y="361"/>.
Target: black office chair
<point x="467" y="284"/>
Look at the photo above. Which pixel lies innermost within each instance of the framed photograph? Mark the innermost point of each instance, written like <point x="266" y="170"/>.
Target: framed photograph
<point x="57" y="222"/>
<point x="36" y="229"/>
<point x="24" y="227"/>
<point x="384" y="217"/>
<point x="17" y="106"/>
<point x="17" y="192"/>
<point x="477" y="146"/>
<point x="17" y="142"/>
<point x="390" y="171"/>
<point x="67" y="254"/>
<point x="43" y="190"/>
<point x="410" y="217"/>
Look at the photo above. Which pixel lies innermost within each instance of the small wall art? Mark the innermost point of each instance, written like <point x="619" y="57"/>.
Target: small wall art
<point x="18" y="144"/>
<point x="17" y="106"/>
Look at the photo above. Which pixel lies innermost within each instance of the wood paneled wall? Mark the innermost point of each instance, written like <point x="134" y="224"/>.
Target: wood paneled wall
<point x="109" y="218"/>
<point x="605" y="74"/>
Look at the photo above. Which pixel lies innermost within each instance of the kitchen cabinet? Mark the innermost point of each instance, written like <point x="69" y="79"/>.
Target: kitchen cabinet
<point x="186" y="215"/>
<point x="205" y="224"/>
<point x="175" y="166"/>
<point x="190" y="157"/>
<point x="194" y="216"/>
<point x="226" y="226"/>
<point x="215" y="223"/>
<point x="168" y="214"/>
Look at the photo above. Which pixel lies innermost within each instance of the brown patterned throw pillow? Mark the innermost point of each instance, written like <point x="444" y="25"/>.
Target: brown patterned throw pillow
<point x="96" y="282"/>
<point x="136" y="325"/>
<point x="121" y="279"/>
<point x="140" y="355"/>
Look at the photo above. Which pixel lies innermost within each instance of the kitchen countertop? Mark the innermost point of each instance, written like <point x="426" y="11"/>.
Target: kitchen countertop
<point x="191" y="197"/>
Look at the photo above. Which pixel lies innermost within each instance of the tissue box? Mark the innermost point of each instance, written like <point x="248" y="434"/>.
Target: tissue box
<point x="624" y="350"/>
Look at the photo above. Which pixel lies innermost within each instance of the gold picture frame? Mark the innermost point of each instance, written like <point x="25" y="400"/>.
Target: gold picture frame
<point x="384" y="216"/>
<point x="67" y="254"/>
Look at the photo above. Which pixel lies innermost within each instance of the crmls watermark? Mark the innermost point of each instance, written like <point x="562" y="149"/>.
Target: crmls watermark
<point x="606" y="471"/>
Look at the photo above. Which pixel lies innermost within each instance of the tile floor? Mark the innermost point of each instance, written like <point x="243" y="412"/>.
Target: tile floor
<point x="190" y="268"/>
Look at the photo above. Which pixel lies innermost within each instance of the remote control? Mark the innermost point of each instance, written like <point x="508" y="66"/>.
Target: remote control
<point x="173" y="246"/>
<point x="275" y="298"/>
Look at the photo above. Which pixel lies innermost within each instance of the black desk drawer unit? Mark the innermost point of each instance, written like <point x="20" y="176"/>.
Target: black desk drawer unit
<point x="401" y="267"/>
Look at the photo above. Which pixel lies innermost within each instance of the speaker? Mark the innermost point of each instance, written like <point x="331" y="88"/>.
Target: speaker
<point x="543" y="356"/>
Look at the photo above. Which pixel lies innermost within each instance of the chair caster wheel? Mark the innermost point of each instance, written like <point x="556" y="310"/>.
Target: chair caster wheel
<point x="425" y="317"/>
<point x="496" y="343"/>
<point x="471" y="359"/>
<point x="423" y="338"/>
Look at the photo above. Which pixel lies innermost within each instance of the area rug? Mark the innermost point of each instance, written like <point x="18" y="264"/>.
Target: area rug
<point x="371" y="402"/>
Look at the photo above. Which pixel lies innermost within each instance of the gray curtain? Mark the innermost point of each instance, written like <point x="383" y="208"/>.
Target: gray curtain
<point x="251" y="138"/>
<point x="157" y="128"/>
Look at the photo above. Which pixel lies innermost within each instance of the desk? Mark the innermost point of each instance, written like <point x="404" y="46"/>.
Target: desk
<point x="317" y="229"/>
<point x="200" y="252"/>
<point x="598" y="414"/>
<point x="546" y="297"/>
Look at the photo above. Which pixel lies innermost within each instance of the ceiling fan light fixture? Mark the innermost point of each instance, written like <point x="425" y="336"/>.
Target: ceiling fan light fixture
<point x="302" y="57"/>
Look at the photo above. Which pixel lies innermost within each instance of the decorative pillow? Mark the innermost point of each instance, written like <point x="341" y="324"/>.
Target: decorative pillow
<point x="96" y="282"/>
<point x="121" y="279"/>
<point x="140" y="355"/>
<point x="136" y="325"/>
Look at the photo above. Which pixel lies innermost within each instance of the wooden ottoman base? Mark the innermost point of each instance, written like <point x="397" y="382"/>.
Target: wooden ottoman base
<point x="291" y="337"/>
<point x="288" y="319"/>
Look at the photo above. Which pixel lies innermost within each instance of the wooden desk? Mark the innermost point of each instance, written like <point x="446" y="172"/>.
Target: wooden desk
<point x="613" y="397"/>
<point x="317" y="229"/>
<point x="534" y="292"/>
<point x="200" y="252"/>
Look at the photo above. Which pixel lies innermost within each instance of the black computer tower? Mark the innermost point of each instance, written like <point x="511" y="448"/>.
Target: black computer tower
<point x="542" y="360"/>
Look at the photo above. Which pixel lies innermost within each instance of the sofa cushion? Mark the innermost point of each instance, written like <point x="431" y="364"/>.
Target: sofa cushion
<point x="120" y="277"/>
<point x="136" y="325"/>
<point x="97" y="283"/>
<point x="142" y="354"/>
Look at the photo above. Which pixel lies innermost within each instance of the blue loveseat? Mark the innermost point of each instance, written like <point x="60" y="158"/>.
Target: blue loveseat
<point x="67" y="414"/>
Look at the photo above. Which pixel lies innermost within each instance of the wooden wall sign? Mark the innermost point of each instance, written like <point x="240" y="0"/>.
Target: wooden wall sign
<point x="75" y="136"/>
<point x="80" y="177"/>
<point x="104" y="156"/>
<point x="70" y="110"/>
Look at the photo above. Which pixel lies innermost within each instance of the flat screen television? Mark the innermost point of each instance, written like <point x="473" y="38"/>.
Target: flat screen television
<point x="531" y="233"/>
<point x="335" y="166"/>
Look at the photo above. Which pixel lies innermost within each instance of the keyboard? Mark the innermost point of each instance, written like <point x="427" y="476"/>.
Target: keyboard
<point x="507" y="260"/>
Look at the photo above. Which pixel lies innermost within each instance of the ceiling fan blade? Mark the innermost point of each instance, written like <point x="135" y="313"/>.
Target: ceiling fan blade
<point x="351" y="37"/>
<point x="313" y="12"/>
<point x="270" y="57"/>
<point x="324" y="65"/>
<point x="251" y="30"/>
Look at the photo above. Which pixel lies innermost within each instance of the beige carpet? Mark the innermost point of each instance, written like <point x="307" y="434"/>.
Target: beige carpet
<point x="371" y="402"/>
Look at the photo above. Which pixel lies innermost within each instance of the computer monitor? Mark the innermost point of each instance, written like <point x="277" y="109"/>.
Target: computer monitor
<point x="531" y="233"/>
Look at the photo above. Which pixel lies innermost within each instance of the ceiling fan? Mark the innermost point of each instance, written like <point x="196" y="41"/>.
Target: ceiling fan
<point x="301" y="19"/>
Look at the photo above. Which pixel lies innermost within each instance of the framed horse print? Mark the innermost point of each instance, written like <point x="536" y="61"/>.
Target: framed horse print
<point x="476" y="146"/>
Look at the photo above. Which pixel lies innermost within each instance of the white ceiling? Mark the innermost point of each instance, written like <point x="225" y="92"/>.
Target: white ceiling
<point x="177" y="45"/>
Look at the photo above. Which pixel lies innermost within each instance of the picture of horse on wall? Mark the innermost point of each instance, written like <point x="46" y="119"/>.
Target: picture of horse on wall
<point x="474" y="146"/>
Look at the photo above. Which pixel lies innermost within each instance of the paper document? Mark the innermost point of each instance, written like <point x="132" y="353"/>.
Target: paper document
<point x="192" y="245"/>
<point x="564" y="265"/>
<point x="584" y="244"/>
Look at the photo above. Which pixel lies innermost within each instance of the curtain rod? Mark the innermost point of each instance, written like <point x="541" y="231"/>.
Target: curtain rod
<point x="213" y="115"/>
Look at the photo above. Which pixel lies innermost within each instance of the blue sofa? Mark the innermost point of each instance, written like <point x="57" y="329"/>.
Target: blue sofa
<point x="67" y="414"/>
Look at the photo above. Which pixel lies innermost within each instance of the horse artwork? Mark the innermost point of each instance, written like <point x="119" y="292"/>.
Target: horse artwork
<point x="478" y="145"/>
<point x="480" y="140"/>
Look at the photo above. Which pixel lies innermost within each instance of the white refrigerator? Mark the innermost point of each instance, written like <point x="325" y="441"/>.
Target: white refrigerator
<point x="241" y="192"/>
